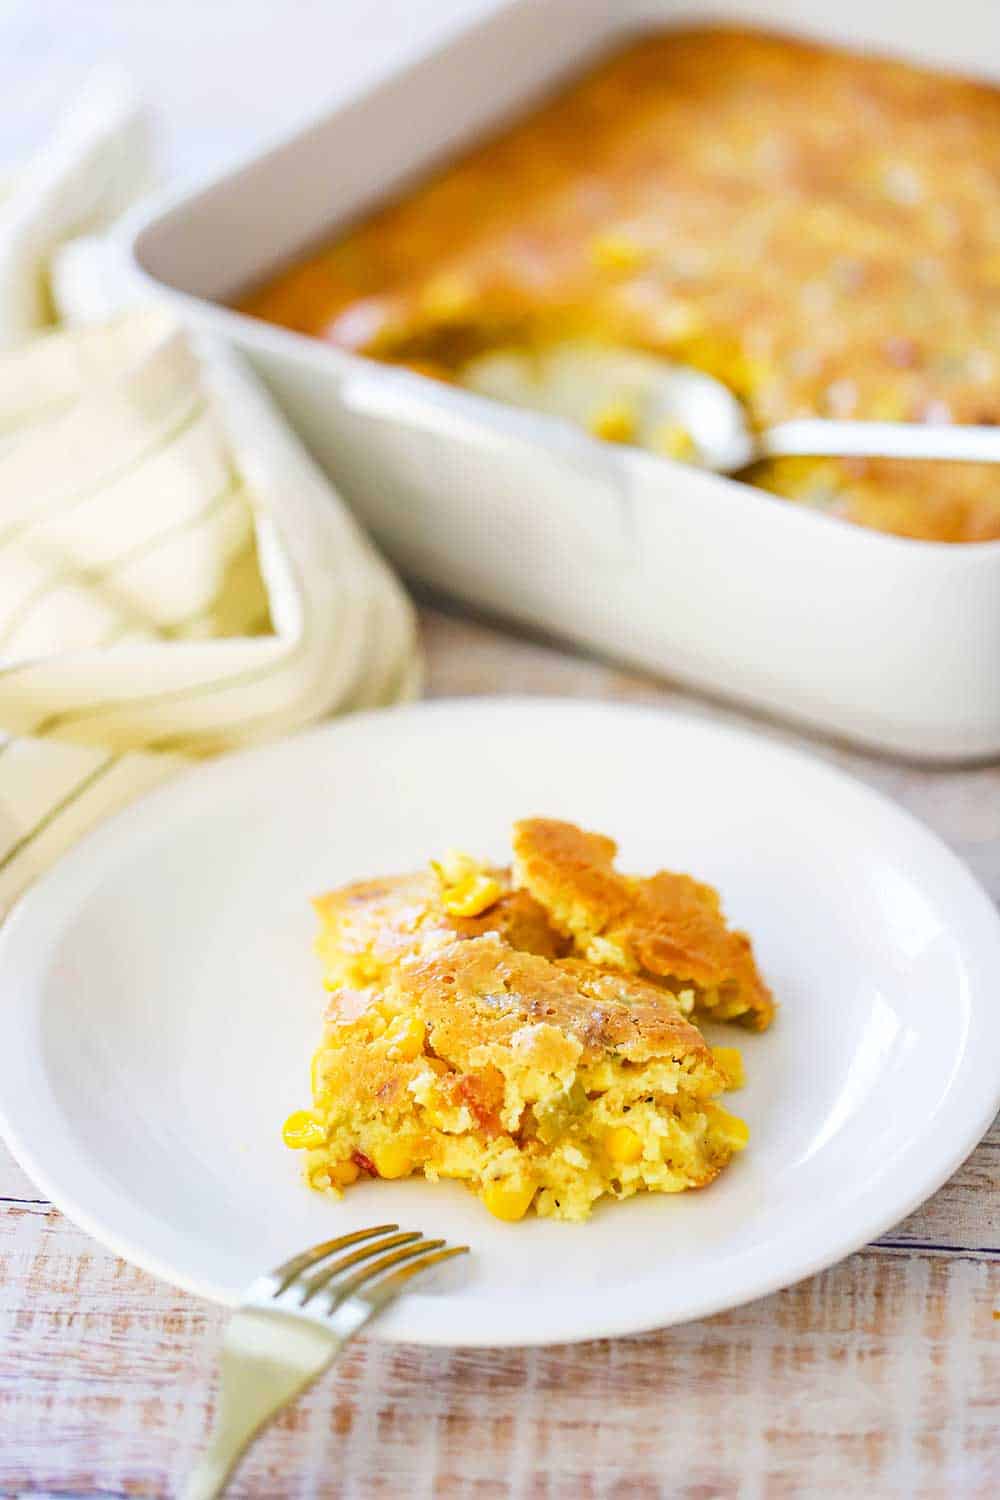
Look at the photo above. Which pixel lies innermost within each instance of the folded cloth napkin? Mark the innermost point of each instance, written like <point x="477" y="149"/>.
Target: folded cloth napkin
<point x="176" y="575"/>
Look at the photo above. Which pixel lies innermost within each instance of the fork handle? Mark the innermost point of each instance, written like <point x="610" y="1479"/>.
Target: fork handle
<point x="266" y="1361"/>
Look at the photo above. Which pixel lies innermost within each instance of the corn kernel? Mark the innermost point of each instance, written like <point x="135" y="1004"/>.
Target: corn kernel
<point x="622" y="1144"/>
<point x="343" y="1173"/>
<point x="303" y="1131"/>
<point x="887" y="406"/>
<point x="393" y="1159"/>
<point x="751" y="374"/>
<point x="466" y="889"/>
<point x="673" y="440"/>
<point x="615" y="423"/>
<point x="507" y="1202"/>
<point x="455" y="866"/>
<point x="617" y="251"/>
<point x="726" y="1010"/>
<point x="405" y="1036"/>
<point x="448" y="296"/>
<point x="473" y="896"/>
<point x="609" y="954"/>
<point x="729" y="1061"/>
<point x="729" y="1129"/>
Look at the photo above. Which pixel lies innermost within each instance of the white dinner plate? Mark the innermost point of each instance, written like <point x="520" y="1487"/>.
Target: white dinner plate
<point x="159" y="1004"/>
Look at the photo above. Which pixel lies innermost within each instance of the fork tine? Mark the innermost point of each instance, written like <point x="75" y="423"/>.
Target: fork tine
<point x="341" y="1290"/>
<point x="390" y="1286"/>
<point x="287" y="1272"/>
<point x="310" y="1285"/>
<point x="263" y="1367"/>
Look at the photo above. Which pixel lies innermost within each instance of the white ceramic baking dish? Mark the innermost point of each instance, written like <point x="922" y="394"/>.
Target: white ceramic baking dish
<point x="891" y="642"/>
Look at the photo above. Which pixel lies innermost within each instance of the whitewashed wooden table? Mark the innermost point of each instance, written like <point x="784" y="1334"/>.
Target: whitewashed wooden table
<point x="878" y="1378"/>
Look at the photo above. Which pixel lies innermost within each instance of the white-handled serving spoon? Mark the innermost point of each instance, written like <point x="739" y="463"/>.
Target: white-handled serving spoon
<point x="589" y="383"/>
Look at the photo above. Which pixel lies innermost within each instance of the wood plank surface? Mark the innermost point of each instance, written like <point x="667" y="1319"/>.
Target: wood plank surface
<point x="878" y="1378"/>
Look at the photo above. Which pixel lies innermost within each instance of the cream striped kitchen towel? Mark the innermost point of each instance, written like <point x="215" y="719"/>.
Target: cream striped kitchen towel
<point x="176" y="575"/>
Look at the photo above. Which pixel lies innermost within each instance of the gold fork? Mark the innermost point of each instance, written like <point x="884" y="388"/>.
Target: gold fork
<point x="290" y="1326"/>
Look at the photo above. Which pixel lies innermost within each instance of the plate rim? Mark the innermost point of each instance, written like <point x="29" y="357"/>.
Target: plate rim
<point x="107" y="836"/>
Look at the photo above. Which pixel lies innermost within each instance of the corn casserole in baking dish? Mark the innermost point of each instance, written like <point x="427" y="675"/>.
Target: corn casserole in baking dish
<point x="818" y="229"/>
<point x="531" y="1032"/>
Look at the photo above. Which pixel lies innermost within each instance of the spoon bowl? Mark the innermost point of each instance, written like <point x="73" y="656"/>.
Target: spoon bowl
<point x="682" y="413"/>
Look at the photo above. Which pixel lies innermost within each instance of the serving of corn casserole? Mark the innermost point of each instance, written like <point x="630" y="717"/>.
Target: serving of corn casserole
<point x="529" y="1031"/>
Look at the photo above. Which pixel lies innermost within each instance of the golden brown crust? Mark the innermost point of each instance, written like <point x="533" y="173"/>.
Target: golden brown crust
<point x="541" y="1084"/>
<point x="544" y="1082"/>
<point x="679" y="931"/>
<point x="366" y="927"/>
<point x="667" y="926"/>
<point x="363" y="1077"/>
<point x="571" y="871"/>
<point x="481" y="992"/>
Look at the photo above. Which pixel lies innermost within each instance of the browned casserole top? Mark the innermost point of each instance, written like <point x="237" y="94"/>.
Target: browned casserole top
<point x="819" y="229"/>
<point x="666" y="926"/>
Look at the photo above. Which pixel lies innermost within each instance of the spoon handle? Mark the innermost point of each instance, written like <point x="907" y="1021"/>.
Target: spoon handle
<point x="814" y="436"/>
